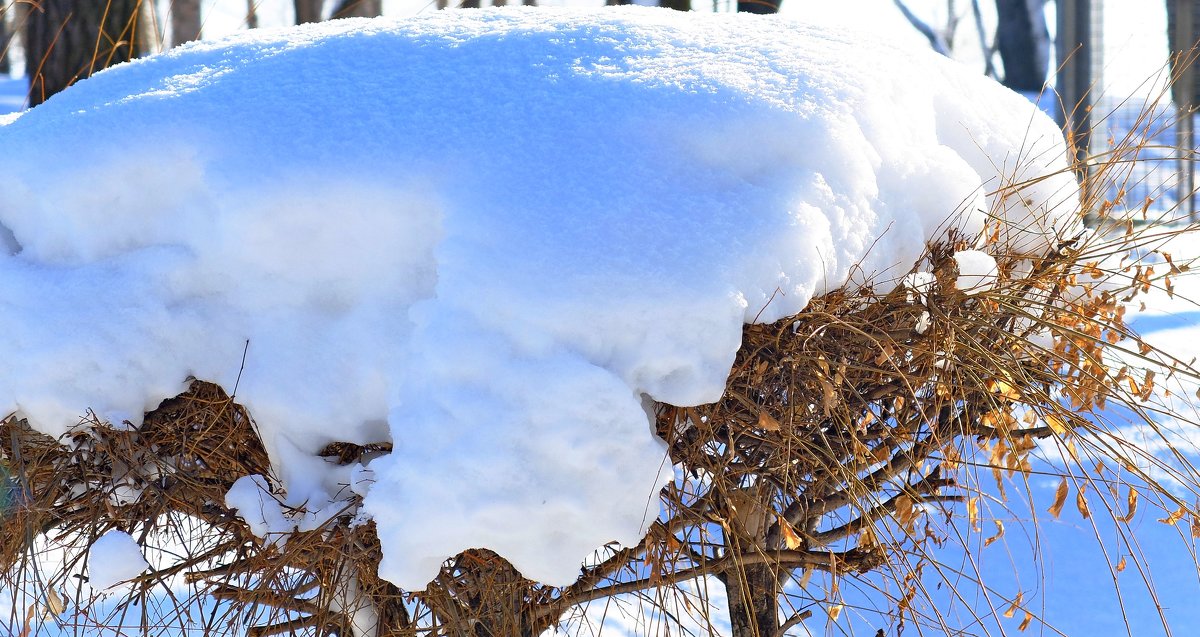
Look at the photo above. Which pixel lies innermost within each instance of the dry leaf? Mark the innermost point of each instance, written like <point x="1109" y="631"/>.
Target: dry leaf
<point x="1121" y="564"/>
<point x="1147" y="385"/>
<point x="1057" y="425"/>
<point x="973" y="512"/>
<point x="827" y="396"/>
<point x="767" y="422"/>
<point x="834" y="612"/>
<point x="1175" y="516"/>
<point x="1003" y="388"/>
<point x="1081" y="503"/>
<point x="1012" y="610"/>
<point x="792" y="540"/>
<point x="54" y="603"/>
<point x="805" y="577"/>
<point x="1131" y="500"/>
<point x="1025" y="622"/>
<point x="999" y="534"/>
<point x="1060" y="499"/>
<point x="906" y="512"/>
<point x="951" y="458"/>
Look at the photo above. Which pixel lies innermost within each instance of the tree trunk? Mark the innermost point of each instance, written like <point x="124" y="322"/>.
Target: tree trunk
<point x="251" y="15"/>
<point x="185" y="21"/>
<point x="5" y="40"/>
<point x="358" y="9"/>
<point x="1024" y="44"/>
<point x="678" y="5"/>
<point x="758" y="6"/>
<point x="1183" y="29"/>
<point x="68" y="40"/>
<point x="753" y="601"/>
<point x="308" y="10"/>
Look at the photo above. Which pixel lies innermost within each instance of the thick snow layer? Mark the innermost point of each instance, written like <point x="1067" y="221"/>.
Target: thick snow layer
<point x="491" y="237"/>
<point x="113" y="558"/>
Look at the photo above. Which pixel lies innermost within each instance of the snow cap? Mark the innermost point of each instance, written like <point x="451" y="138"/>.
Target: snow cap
<point x="489" y="237"/>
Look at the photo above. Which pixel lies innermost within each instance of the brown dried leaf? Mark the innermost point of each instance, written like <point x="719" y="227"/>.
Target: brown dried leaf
<point x="1060" y="499"/>
<point x="1057" y="425"/>
<point x="1081" y="503"/>
<point x="906" y="512"/>
<point x="973" y="512"/>
<point x="1016" y="603"/>
<point x="1003" y="388"/>
<point x="1121" y="564"/>
<point x="767" y="422"/>
<point x="1131" y="500"/>
<point x="1147" y="385"/>
<point x="1175" y="516"/>
<point x="999" y="534"/>
<point x="834" y="611"/>
<point x="827" y="396"/>
<point x="1025" y="622"/>
<point x="54" y="603"/>
<point x="790" y="537"/>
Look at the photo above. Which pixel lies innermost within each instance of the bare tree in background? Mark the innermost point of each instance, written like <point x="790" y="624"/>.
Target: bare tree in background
<point x="758" y="6"/>
<point x="251" y="15"/>
<point x="1024" y="44"/>
<point x="307" y="10"/>
<point x="940" y="41"/>
<point x="358" y="9"/>
<point x="66" y="41"/>
<point x="5" y="39"/>
<point x="185" y="21"/>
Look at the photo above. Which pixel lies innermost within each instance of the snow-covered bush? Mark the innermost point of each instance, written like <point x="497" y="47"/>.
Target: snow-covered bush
<point x="522" y="309"/>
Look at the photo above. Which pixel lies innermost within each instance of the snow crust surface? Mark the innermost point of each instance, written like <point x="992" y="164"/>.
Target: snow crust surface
<point x="113" y="558"/>
<point x="489" y="237"/>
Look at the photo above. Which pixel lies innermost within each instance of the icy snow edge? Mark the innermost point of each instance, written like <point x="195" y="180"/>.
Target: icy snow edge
<point x="487" y="236"/>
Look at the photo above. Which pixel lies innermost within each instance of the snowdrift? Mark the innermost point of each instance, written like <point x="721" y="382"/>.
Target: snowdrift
<point x="491" y="238"/>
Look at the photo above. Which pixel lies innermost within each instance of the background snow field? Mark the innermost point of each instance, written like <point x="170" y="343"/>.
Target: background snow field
<point x="491" y="237"/>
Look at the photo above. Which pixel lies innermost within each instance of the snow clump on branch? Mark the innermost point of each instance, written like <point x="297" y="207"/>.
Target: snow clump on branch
<point x="489" y="237"/>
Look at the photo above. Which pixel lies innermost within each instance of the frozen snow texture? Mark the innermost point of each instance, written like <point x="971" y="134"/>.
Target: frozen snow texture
<point x="490" y="237"/>
<point x="113" y="558"/>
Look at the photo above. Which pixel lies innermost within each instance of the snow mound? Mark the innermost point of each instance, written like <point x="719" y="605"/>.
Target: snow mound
<point x="490" y="237"/>
<point x="113" y="558"/>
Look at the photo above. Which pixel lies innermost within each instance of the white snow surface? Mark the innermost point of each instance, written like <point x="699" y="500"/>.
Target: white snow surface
<point x="977" y="271"/>
<point x="490" y="237"/>
<point x="113" y="558"/>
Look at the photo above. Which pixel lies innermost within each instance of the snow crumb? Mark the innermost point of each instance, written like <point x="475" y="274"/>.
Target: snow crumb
<point x="923" y="322"/>
<point x="976" y="271"/>
<point x="255" y="505"/>
<point x="484" y="237"/>
<point x="919" y="285"/>
<point x="113" y="558"/>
